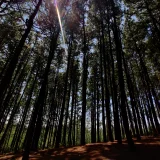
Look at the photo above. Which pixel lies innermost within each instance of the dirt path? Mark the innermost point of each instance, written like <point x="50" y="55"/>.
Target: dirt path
<point x="146" y="149"/>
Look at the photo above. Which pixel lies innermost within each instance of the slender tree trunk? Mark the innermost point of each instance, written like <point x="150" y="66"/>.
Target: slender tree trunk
<point x="72" y="106"/>
<point x="102" y="90"/>
<point x="84" y="85"/>
<point x="131" y="93"/>
<point x="12" y="65"/>
<point x="98" y="133"/>
<point x="115" y="110"/>
<point x="121" y="79"/>
<point x="107" y="97"/>
<point x="59" y="131"/>
<point x="36" y="126"/>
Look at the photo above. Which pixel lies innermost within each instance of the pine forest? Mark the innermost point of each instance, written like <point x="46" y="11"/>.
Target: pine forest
<point x="77" y="72"/>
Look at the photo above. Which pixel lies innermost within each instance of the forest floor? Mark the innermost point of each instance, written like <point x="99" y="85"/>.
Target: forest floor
<point x="146" y="149"/>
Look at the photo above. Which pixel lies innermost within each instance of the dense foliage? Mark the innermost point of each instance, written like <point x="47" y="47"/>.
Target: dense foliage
<point x="90" y="75"/>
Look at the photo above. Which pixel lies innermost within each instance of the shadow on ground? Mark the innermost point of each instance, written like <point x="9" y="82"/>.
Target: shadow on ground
<point x="146" y="149"/>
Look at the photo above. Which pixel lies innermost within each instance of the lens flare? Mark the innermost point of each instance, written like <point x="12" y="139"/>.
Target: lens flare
<point x="60" y="23"/>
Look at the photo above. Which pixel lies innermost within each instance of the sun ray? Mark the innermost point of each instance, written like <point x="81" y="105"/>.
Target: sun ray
<point x="60" y="23"/>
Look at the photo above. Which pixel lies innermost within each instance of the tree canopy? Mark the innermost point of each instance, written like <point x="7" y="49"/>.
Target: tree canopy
<point x="74" y="72"/>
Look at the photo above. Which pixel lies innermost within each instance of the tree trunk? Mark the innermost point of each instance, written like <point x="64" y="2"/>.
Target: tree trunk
<point x="12" y="65"/>
<point x="121" y="79"/>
